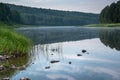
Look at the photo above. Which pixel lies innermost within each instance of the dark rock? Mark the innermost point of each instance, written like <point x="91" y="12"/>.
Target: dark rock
<point x="6" y="78"/>
<point x="70" y="62"/>
<point x="83" y="51"/>
<point x="51" y="54"/>
<point x="48" y="67"/>
<point x="54" y="61"/>
<point x="79" y="55"/>
<point x="24" y="78"/>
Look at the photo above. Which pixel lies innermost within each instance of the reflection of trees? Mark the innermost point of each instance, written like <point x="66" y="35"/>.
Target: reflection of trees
<point x="53" y="35"/>
<point x="8" y="72"/>
<point x="47" y="50"/>
<point x="111" y="38"/>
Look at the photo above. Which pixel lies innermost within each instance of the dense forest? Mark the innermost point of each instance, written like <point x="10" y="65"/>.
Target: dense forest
<point x="111" y="14"/>
<point x="7" y="15"/>
<point x="40" y="16"/>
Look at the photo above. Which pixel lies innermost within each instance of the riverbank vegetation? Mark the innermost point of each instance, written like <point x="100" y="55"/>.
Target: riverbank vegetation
<point x="12" y="43"/>
<point x="104" y="25"/>
<point x="109" y="16"/>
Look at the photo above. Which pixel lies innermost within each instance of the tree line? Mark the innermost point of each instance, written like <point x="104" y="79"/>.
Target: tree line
<point x="111" y="13"/>
<point x="38" y="16"/>
<point x="49" y="17"/>
<point x="7" y="15"/>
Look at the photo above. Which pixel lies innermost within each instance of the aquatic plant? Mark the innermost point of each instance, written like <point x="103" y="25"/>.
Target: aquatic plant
<point x="12" y="42"/>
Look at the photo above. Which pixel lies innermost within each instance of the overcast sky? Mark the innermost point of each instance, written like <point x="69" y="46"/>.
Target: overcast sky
<point x="90" y="6"/>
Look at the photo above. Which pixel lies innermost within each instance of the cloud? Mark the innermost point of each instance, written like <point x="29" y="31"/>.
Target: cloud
<point x="91" y="59"/>
<point x="59" y="76"/>
<point x="94" y="6"/>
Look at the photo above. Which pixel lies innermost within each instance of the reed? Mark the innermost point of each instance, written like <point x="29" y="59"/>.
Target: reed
<point x="12" y="42"/>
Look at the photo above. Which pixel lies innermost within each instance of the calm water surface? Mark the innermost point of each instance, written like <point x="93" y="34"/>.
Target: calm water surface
<point x="100" y="62"/>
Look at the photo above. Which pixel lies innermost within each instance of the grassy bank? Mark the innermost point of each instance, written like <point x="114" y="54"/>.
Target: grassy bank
<point x="104" y="25"/>
<point x="12" y="42"/>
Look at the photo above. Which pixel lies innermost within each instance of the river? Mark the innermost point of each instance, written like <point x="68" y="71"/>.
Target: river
<point x="81" y="54"/>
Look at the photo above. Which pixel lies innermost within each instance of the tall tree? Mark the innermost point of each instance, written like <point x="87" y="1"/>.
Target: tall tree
<point x="104" y="16"/>
<point x="111" y="14"/>
<point x="118" y="11"/>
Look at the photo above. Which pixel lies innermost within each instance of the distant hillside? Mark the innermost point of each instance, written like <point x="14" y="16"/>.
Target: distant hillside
<point x="47" y="17"/>
<point x="8" y="16"/>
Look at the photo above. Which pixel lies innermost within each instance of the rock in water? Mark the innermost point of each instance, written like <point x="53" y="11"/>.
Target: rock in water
<point x="83" y="51"/>
<point x="79" y="55"/>
<point x="48" y="67"/>
<point x="70" y="62"/>
<point x="54" y="61"/>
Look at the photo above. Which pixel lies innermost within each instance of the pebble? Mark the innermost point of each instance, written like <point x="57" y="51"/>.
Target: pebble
<point x="24" y="78"/>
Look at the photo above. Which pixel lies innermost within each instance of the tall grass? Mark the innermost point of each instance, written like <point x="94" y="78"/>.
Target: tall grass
<point x="11" y="42"/>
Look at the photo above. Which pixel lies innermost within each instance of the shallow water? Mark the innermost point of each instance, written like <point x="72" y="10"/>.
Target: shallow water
<point x="100" y="62"/>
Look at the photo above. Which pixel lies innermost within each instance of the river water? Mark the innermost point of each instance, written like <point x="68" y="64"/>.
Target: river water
<point x="101" y="61"/>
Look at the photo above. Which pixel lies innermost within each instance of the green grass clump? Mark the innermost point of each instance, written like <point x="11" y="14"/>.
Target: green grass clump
<point x="11" y="42"/>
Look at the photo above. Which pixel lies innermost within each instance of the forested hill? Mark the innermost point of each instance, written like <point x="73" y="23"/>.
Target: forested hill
<point x="111" y="13"/>
<point x="48" y="17"/>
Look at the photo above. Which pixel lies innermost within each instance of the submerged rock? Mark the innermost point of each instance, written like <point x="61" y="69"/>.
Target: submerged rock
<point x="79" y="55"/>
<point x="70" y="62"/>
<point x="54" y="61"/>
<point x="83" y="51"/>
<point x="48" y="67"/>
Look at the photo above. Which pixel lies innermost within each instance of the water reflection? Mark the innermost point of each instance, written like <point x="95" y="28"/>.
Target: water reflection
<point x="111" y="38"/>
<point x="49" y="52"/>
<point x="52" y="35"/>
<point x="8" y="72"/>
<point x="98" y="65"/>
<point x="61" y="45"/>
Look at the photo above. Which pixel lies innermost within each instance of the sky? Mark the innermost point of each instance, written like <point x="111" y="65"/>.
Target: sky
<point x="89" y="6"/>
